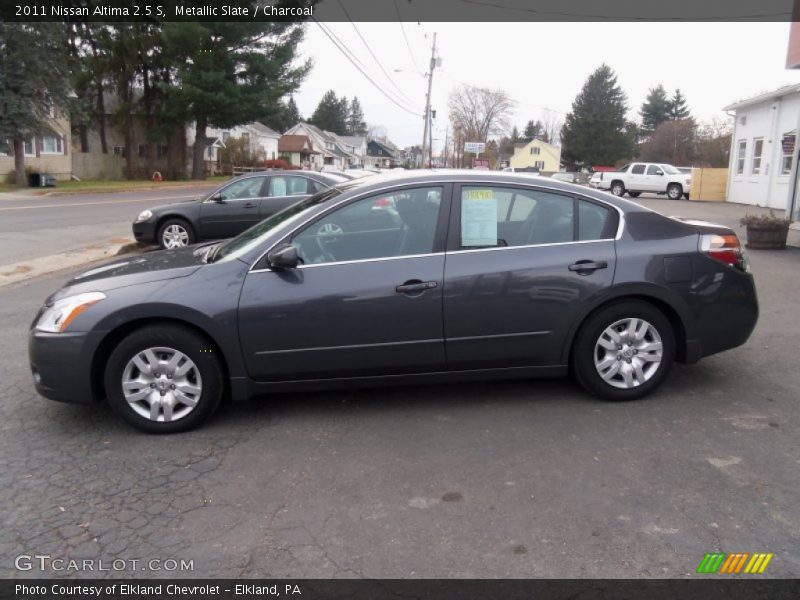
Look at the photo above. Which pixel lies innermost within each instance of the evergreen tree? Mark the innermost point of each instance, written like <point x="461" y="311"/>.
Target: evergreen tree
<point x="514" y="135"/>
<point x="678" y="109"/>
<point x="596" y="130"/>
<point x="331" y="113"/>
<point x="655" y="110"/>
<point x="355" y="120"/>
<point x="293" y="114"/>
<point x="33" y="77"/>
<point x="532" y="130"/>
<point x="230" y="73"/>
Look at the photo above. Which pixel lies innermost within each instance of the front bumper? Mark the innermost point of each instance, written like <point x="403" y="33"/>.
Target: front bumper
<point x="145" y="231"/>
<point x="61" y="365"/>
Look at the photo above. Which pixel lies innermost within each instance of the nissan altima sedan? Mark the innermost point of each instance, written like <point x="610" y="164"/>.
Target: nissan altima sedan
<point x="415" y="278"/>
<point x="230" y="209"/>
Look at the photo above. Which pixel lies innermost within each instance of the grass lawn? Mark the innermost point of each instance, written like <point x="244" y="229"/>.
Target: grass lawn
<point x="97" y="185"/>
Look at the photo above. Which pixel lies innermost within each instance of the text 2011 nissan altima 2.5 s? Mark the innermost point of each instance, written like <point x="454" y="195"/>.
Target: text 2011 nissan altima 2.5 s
<point x="428" y="277"/>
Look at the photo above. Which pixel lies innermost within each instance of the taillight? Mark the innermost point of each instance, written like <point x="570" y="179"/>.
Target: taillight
<point x="724" y="248"/>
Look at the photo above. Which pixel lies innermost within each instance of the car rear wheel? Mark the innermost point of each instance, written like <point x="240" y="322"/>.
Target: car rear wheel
<point x="175" y="233"/>
<point x="674" y="191"/>
<point x="617" y="188"/>
<point x="634" y="194"/>
<point x="624" y="351"/>
<point x="164" y="379"/>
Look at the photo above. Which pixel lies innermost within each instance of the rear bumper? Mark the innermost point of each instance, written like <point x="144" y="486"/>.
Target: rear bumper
<point x="726" y="318"/>
<point x="144" y="231"/>
<point x="61" y="365"/>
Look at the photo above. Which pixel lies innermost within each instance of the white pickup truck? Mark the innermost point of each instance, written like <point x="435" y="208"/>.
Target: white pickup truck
<point x="635" y="178"/>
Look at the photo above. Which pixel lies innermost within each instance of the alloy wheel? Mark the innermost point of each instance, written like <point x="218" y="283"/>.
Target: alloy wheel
<point x="175" y="236"/>
<point x="628" y="353"/>
<point x="162" y="384"/>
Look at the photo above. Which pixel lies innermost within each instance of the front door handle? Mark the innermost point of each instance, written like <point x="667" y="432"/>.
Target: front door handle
<point x="250" y="204"/>
<point x="415" y="285"/>
<point x="584" y="267"/>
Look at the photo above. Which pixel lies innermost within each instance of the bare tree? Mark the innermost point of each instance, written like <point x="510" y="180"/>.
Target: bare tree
<point x="552" y="126"/>
<point x="480" y="112"/>
<point x="375" y="131"/>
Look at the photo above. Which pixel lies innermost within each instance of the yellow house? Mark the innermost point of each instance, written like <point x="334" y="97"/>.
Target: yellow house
<point x="537" y="154"/>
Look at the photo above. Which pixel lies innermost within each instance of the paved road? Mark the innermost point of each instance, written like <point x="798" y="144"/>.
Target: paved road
<point x="36" y="226"/>
<point x="504" y="479"/>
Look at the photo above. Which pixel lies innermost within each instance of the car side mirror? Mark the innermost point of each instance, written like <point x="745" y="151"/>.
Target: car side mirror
<point x="659" y="172"/>
<point x="283" y="256"/>
<point x="217" y="198"/>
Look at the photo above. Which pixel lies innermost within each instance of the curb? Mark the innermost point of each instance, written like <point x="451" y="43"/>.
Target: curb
<point x="26" y="194"/>
<point x="45" y="265"/>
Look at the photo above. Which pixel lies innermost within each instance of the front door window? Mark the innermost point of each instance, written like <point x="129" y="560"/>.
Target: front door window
<point x="401" y="223"/>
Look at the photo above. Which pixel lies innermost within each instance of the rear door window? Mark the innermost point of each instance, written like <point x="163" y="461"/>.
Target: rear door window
<point x="507" y="217"/>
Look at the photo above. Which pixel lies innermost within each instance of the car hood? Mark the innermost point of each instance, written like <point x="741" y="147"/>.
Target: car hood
<point x="189" y="204"/>
<point x="142" y="268"/>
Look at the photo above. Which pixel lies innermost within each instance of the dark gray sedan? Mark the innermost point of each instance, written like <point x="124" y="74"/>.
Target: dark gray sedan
<point x="423" y="277"/>
<point x="230" y="209"/>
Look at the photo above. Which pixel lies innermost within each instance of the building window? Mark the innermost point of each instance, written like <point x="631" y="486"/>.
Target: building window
<point x="788" y="154"/>
<point x="539" y="164"/>
<point x="119" y="151"/>
<point x="740" y="154"/>
<point x="142" y="151"/>
<point x="48" y="107"/>
<point x="161" y="151"/>
<point x="226" y="135"/>
<point x="29" y="149"/>
<point x="211" y="152"/>
<point x="536" y="150"/>
<point x="52" y="144"/>
<point x="758" y="147"/>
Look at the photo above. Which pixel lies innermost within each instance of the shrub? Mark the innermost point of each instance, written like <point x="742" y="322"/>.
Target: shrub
<point x="769" y="221"/>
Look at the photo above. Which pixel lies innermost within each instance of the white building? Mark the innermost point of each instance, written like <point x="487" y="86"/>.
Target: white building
<point x="764" y="149"/>
<point x="262" y="141"/>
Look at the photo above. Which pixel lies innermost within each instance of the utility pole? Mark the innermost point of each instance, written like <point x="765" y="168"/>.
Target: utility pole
<point x="428" y="100"/>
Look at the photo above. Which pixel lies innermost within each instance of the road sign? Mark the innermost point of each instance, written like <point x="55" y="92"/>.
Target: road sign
<point x="482" y="164"/>
<point x="476" y="147"/>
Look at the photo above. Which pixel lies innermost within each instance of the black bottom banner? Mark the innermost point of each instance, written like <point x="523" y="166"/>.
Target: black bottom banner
<point x="368" y="589"/>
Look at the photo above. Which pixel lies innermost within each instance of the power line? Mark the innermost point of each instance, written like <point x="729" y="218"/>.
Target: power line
<point x="405" y="37"/>
<point x="556" y="13"/>
<point x="400" y="92"/>
<point x="331" y="37"/>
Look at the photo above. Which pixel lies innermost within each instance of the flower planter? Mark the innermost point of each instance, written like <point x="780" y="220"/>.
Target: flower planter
<point x="769" y="237"/>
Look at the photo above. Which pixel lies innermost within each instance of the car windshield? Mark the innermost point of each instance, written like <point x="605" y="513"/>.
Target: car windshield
<point x="670" y="170"/>
<point x="252" y="237"/>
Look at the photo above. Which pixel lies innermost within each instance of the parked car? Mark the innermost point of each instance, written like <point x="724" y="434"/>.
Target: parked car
<point x="528" y="170"/>
<point x="230" y="209"/>
<point x="635" y="178"/>
<point x="459" y="275"/>
<point x="564" y="176"/>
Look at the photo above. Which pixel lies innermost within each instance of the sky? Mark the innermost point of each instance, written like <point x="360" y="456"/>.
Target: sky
<point x="540" y="65"/>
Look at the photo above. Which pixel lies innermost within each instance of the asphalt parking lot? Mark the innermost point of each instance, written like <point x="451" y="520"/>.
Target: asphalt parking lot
<point x="490" y="480"/>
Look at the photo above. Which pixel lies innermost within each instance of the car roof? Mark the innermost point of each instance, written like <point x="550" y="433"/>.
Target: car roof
<point x="467" y="176"/>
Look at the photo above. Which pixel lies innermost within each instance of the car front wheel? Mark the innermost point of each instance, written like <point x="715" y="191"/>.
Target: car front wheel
<point x="164" y="379"/>
<point x="175" y="233"/>
<point x="624" y="351"/>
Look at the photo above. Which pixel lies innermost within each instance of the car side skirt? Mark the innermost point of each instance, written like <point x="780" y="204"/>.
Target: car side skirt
<point x="260" y="388"/>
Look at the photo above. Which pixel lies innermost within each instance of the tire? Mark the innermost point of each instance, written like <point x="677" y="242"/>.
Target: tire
<point x="634" y="194"/>
<point x="192" y="388"/>
<point x="172" y="228"/>
<point x="674" y="191"/>
<point x="588" y="348"/>
<point x="617" y="188"/>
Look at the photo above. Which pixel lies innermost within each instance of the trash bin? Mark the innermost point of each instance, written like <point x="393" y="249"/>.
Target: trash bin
<point x="41" y="180"/>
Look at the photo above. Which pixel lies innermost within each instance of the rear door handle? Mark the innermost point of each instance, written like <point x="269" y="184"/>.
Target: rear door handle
<point x="585" y="266"/>
<point x="416" y="285"/>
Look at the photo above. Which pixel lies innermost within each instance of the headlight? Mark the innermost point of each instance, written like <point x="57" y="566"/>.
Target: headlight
<point x="56" y="318"/>
<point x="144" y="216"/>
